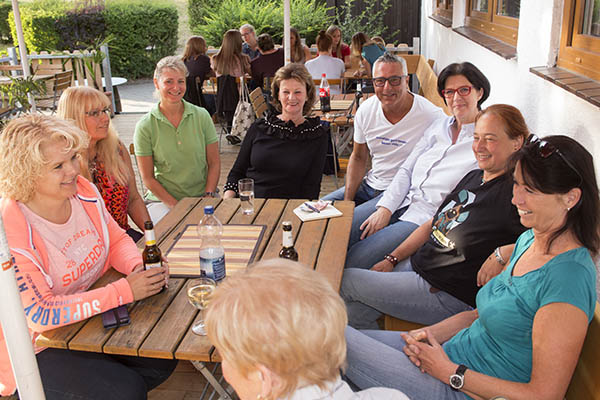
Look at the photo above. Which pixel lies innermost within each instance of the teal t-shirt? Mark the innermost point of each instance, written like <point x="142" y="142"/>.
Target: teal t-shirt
<point x="499" y="343"/>
<point x="179" y="154"/>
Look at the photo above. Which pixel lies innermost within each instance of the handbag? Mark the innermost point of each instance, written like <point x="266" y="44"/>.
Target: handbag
<point x="244" y="114"/>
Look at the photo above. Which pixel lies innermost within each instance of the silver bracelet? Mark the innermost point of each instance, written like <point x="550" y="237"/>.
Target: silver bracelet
<point x="499" y="257"/>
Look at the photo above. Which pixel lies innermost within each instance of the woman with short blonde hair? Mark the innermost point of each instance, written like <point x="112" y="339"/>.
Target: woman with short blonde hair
<point x="292" y="344"/>
<point x="106" y="162"/>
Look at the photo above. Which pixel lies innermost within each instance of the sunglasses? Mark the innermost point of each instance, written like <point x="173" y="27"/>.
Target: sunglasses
<point x="393" y="80"/>
<point x="546" y="149"/>
<point x="462" y="91"/>
<point x="96" y="113"/>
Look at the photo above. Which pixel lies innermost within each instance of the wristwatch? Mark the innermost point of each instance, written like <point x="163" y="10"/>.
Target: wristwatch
<point x="457" y="380"/>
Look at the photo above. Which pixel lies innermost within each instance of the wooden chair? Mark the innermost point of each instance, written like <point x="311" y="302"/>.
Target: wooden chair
<point x="341" y="83"/>
<point x="7" y="70"/>
<point x="55" y="87"/>
<point x="138" y="176"/>
<point x="259" y="103"/>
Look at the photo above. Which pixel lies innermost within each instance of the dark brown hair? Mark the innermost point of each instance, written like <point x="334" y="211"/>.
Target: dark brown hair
<point x="324" y="41"/>
<point x="194" y="47"/>
<point x="471" y="73"/>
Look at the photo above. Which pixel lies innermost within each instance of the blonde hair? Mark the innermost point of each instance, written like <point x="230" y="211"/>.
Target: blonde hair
<point x="194" y="47"/>
<point x="297" y="51"/>
<point x="338" y="47"/>
<point x="170" y="62"/>
<point x="72" y="106"/>
<point x="230" y="53"/>
<point x="358" y="41"/>
<point x="290" y="316"/>
<point x="21" y="157"/>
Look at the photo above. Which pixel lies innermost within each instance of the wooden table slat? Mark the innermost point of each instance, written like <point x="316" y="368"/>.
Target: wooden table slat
<point x="269" y="216"/>
<point x="173" y="219"/>
<point x="332" y="258"/>
<point x="240" y="218"/>
<point x="227" y="210"/>
<point x="194" y="347"/>
<point x="308" y="241"/>
<point x="275" y="242"/>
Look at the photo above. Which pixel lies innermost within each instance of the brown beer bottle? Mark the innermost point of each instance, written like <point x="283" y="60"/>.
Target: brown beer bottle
<point x="151" y="256"/>
<point x="288" y="251"/>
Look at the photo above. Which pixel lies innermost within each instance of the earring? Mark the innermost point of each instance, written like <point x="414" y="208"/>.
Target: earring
<point x="568" y="209"/>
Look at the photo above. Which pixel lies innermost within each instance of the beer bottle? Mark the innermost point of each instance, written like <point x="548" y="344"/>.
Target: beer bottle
<point x="288" y="251"/>
<point x="151" y="256"/>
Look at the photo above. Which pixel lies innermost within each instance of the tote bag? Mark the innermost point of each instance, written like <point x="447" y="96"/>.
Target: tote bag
<point x="244" y="114"/>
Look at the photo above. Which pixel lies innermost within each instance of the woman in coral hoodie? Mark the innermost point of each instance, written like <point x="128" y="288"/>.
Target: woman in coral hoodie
<point x="63" y="239"/>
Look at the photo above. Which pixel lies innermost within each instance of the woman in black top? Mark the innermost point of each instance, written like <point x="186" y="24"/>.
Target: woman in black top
<point x="284" y="153"/>
<point x="432" y="275"/>
<point x="198" y="65"/>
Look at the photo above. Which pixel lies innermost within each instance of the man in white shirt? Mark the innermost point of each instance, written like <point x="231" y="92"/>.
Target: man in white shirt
<point x="388" y="126"/>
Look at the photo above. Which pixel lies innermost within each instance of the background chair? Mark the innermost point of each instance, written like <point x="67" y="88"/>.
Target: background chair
<point x="55" y="87"/>
<point x="259" y="104"/>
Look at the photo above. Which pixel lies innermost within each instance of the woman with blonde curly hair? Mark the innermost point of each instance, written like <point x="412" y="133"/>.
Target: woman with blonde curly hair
<point x="292" y="345"/>
<point x="106" y="162"/>
<point x="63" y="240"/>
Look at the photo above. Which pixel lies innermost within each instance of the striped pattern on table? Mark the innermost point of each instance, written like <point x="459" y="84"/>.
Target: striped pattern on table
<point x="240" y="243"/>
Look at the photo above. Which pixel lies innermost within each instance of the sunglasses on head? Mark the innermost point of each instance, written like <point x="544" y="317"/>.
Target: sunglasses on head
<point x="546" y="149"/>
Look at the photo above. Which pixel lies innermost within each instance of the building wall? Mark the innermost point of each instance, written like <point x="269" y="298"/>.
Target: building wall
<point x="547" y="108"/>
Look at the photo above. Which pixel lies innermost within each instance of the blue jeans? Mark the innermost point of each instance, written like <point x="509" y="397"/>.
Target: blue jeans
<point x="375" y="358"/>
<point x="364" y="193"/>
<point x="402" y="294"/>
<point x="364" y="253"/>
<point x="80" y="375"/>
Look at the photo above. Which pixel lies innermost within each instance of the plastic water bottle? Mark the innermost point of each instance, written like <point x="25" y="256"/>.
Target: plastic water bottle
<point x="324" y="95"/>
<point x="212" y="254"/>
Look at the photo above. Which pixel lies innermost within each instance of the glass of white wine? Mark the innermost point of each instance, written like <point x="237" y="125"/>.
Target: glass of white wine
<point x="199" y="292"/>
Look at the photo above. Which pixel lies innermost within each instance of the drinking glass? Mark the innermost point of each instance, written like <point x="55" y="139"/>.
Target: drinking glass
<point x="246" y="191"/>
<point x="199" y="292"/>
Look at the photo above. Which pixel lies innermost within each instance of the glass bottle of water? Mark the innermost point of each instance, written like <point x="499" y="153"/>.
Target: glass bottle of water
<point x="212" y="254"/>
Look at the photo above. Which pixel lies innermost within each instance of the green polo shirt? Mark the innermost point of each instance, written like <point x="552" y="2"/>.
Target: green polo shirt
<point x="179" y="154"/>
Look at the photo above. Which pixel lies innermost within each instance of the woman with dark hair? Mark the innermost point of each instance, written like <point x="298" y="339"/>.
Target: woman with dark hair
<point x="339" y="49"/>
<point x="299" y="53"/>
<point x="332" y="67"/>
<point x="284" y="153"/>
<point x="432" y="274"/>
<point x="198" y="65"/>
<point x="473" y="76"/>
<point x="524" y="339"/>
<point x="230" y="60"/>
<point x="436" y="164"/>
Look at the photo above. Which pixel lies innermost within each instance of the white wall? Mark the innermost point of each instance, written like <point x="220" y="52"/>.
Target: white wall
<point x="547" y="108"/>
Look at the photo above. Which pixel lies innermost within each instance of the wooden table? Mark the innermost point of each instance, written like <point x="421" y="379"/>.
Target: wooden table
<point x="161" y="325"/>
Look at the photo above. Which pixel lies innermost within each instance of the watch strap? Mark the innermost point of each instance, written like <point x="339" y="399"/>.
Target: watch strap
<point x="461" y="370"/>
<point x="394" y="260"/>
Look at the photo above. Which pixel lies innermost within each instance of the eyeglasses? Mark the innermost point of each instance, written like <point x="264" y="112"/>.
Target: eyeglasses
<point x="393" y="80"/>
<point x="97" y="113"/>
<point x="462" y="91"/>
<point x="546" y="149"/>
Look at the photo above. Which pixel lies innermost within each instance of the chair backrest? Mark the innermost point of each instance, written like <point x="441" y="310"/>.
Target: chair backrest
<point x="62" y="81"/>
<point x="8" y="69"/>
<point x="258" y="102"/>
<point x="341" y="83"/>
<point x="585" y="383"/>
<point x="138" y="177"/>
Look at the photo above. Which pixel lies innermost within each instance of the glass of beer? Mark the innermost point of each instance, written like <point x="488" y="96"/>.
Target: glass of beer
<point x="246" y="191"/>
<point x="199" y="292"/>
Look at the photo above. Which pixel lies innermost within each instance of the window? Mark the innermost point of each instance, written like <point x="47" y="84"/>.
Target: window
<point x="580" y="38"/>
<point x="443" y="9"/>
<point x="497" y="18"/>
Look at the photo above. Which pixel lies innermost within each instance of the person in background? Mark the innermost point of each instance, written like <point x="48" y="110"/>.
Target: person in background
<point x="284" y="153"/>
<point x="379" y="40"/>
<point x="269" y="61"/>
<point x="106" y="162"/>
<point x="368" y="50"/>
<point x="333" y="68"/>
<point x="339" y="49"/>
<point x="198" y="65"/>
<point x="63" y="240"/>
<point x="524" y="339"/>
<point x="275" y="301"/>
<point x="250" y="45"/>
<point x="176" y="144"/>
<point x="230" y="60"/>
<point x="299" y="53"/>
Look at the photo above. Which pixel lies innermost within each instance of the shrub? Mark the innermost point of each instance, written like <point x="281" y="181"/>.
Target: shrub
<point x="368" y="21"/>
<point x="198" y="9"/>
<point x="79" y="28"/>
<point x="38" y="20"/>
<point x="308" y="16"/>
<point x="5" y="9"/>
<point x="144" y="33"/>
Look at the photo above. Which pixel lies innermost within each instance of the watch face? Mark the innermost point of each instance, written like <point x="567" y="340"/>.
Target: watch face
<point x="456" y="381"/>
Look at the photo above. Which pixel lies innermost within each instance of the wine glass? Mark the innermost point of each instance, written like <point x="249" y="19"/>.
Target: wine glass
<point x="199" y="292"/>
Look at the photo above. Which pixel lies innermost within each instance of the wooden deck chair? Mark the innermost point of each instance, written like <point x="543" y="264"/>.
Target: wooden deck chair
<point x="258" y="101"/>
<point x="55" y="87"/>
<point x="138" y="175"/>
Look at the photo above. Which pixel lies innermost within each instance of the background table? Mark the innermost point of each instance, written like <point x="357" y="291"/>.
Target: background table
<point x="161" y="325"/>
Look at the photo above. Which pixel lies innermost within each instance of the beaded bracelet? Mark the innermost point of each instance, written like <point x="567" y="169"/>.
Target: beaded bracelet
<point x="392" y="259"/>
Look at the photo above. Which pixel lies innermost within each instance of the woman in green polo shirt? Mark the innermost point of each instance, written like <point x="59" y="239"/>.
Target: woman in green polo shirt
<point x="175" y="144"/>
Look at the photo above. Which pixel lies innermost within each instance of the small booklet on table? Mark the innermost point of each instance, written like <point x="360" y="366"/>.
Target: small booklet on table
<point x="306" y="211"/>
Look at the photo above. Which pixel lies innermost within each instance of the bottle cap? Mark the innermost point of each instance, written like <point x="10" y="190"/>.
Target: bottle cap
<point x="148" y="225"/>
<point x="323" y="75"/>
<point x="208" y="210"/>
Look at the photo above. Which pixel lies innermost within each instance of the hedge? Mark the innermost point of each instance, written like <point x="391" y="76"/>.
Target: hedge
<point x="143" y="31"/>
<point x="5" y="9"/>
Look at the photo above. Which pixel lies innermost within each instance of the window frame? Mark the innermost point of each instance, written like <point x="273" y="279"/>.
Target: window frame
<point x="578" y="52"/>
<point x="503" y="28"/>
<point x="444" y="9"/>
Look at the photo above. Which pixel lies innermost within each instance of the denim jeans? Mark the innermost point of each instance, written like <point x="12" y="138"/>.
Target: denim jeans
<point x="375" y="358"/>
<point x="79" y="375"/>
<point x="402" y="294"/>
<point x="364" y="193"/>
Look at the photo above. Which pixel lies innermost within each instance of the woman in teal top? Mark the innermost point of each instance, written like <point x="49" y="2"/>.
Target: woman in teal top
<point x="524" y="339"/>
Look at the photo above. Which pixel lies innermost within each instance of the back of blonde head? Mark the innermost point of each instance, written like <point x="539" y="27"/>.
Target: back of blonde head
<point x="21" y="157"/>
<point x="72" y="105"/>
<point x="284" y="316"/>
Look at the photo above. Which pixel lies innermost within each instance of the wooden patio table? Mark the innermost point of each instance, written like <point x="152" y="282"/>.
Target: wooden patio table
<point x="161" y="325"/>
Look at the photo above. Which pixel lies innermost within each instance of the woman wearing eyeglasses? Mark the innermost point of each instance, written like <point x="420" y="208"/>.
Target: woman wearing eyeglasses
<point x="524" y="339"/>
<point x="433" y="168"/>
<point x="106" y="162"/>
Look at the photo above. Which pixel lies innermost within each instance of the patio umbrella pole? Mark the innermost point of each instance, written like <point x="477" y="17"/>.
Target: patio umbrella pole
<point x="286" y="32"/>
<point x="22" y="48"/>
<point x="15" y="330"/>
